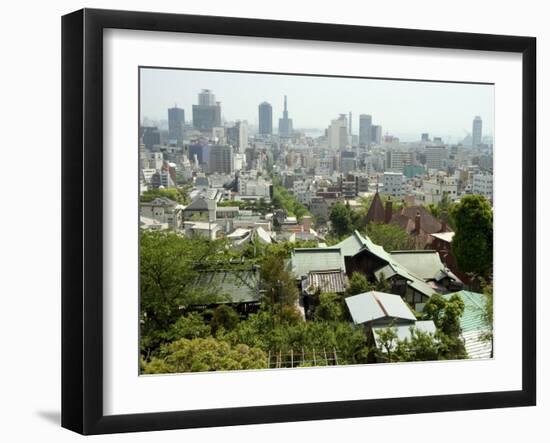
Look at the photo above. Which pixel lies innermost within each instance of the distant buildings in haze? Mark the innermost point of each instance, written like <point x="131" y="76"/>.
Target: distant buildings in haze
<point x="477" y="131"/>
<point x="365" y="129"/>
<point x="265" y="119"/>
<point x="207" y="114"/>
<point x="285" y="123"/>
<point x="176" y="123"/>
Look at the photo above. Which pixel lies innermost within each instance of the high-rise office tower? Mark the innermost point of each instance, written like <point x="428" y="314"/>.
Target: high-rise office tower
<point x="348" y="162"/>
<point x="476" y="131"/>
<point x="365" y="128"/>
<point x="207" y="98"/>
<point x="150" y="137"/>
<point x="265" y="118"/>
<point x="221" y="159"/>
<point x="376" y="134"/>
<point x="176" y="122"/>
<point x="207" y="114"/>
<point x="337" y="133"/>
<point x="238" y="135"/>
<point x="285" y="123"/>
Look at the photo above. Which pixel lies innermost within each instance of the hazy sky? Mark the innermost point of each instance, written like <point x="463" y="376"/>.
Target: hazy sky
<point x="403" y="108"/>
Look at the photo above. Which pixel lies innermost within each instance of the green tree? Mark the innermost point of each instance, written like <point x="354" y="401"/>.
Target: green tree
<point x="390" y="236"/>
<point x="224" y="317"/>
<point x="487" y="314"/>
<point x="472" y="244"/>
<point x="283" y="199"/>
<point x="191" y="325"/>
<point x="446" y="315"/>
<point x="204" y="354"/>
<point x="168" y="264"/>
<point x="330" y="307"/>
<point x="387" y="343"/>
<point x="279" y="288"/>
<point x="179" y="195"/>
<point x="421" y="346"/>
<point x="341" y="219"/>
<point x="358" y="284"/>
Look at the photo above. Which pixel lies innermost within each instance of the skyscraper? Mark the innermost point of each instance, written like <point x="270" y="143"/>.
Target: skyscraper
<point x="376" y="134"/>
<point x="176" y="122"/>
<point x="207" y="114"/>
<point x="150" y="137"/>
<point x="285" y="123"/>
<point x="337" y="133"/>
<point x="221" y="159"/>
<point x="265" y="118"/>
<point x="476" y="131"/>
<point x="365" y="129"/>
<point x="238" y="135"/>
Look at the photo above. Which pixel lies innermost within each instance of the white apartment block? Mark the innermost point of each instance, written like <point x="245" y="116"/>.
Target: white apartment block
<point x="483" y="185"/>
<point x="250" y="187"/>
<point x="156" y="160"/>
<point x="434" y="189"/>
<point x="302" y="191"/>
<point x="326" y="166"/>
<point x="393" y="184"/>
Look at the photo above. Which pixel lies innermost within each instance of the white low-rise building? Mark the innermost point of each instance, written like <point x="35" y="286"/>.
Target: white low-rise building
<point x="434" y="188"/>
<point x="483" y="185"/>
<point x="393" y="184"/>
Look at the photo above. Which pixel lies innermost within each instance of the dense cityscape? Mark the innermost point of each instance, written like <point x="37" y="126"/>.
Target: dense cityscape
<point x="264" y="245"/>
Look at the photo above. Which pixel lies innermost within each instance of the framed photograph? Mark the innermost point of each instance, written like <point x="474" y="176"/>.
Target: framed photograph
<point x="269" y="221"/>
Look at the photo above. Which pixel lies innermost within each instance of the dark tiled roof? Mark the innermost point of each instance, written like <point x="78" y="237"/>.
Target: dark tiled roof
<point x="428" y="223"/>
<point x="326" y="281"/>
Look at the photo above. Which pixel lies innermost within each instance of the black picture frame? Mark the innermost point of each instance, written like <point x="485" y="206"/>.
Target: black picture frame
<point x="82" y="231"/>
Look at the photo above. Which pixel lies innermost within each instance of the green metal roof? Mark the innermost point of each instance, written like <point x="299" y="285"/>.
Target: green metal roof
<point x="240" y="286"/>
<point x="357" y="243"/>
<point x="351" y="245"/>
<point x="425" y="264"/>
<point x="305" y="260"/>
<point x="472" y="324"/>
<point x="474" y="303"/>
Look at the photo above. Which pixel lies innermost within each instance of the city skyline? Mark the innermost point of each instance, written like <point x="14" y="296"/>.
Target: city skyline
<point x="403" y="108"/>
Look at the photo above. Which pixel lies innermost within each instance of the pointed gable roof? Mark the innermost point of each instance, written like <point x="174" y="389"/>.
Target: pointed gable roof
<point x="428" y="223"/>
<point x="376" y="211"/>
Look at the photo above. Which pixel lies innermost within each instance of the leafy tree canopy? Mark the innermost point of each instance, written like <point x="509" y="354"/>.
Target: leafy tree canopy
<point x="390" y="236"/>
<point x="179" y="195"/>
<point x="204" y="354"/>
<point x="472" y="244"/>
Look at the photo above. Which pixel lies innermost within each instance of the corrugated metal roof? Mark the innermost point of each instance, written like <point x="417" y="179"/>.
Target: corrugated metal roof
<point x="373" y="305"/>
<point x="404" y="331"/>
<point x="305" y="260"/>
<point x="473" y="325"/>
<point x="326" y="281"/>
<point x="476" y="346"/>
<point x="472" y="318"/>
